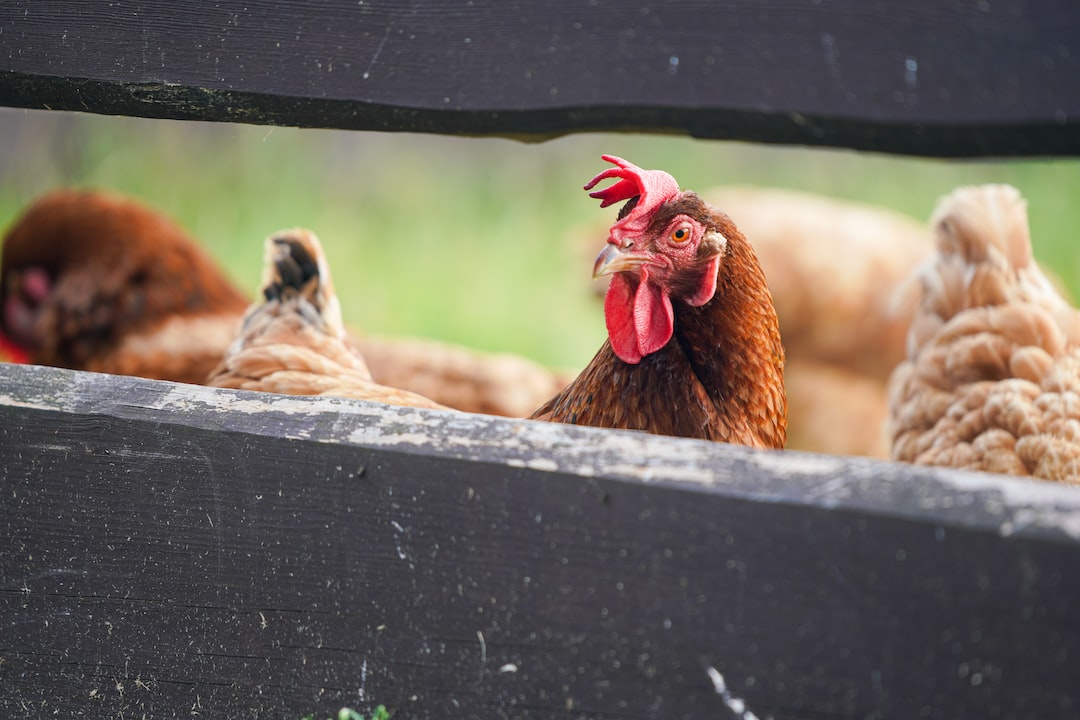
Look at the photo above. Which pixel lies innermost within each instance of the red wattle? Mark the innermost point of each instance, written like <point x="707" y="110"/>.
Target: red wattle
<point x="654" y="318"/>
<point x="619" y="317"/>
<point x="639" y="321"/>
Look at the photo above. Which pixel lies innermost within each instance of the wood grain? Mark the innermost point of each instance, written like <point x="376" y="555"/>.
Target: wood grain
<point x="919" y="77"/>
<point x="172" y="549"/>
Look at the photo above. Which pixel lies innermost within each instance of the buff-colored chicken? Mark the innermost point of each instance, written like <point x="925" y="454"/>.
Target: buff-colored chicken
<point x="294" y="341"/>
<point x="492" y="383"/>
<point x="993" y="377"/>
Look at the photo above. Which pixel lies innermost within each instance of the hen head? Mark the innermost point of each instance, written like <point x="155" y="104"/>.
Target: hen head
<point x="666" y="245"/>
<point x="23" y="295"/>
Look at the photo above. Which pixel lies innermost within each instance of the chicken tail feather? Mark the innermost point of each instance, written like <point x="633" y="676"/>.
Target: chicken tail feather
<point x="295" y="267"/>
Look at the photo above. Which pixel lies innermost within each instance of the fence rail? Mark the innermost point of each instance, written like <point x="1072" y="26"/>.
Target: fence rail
<point x="916" y="77"/>
<point x="175" y="550"/>
<point x="172" y="548"/>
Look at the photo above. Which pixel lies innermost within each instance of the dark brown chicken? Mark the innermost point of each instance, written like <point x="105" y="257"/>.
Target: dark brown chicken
<point x="95" y="281"/>
<point x="693" y="343"/>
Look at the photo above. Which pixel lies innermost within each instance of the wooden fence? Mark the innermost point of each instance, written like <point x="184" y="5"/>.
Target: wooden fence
<point x="172" y="550"/>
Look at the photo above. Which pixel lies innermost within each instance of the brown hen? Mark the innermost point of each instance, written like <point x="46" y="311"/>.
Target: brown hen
<point x="838" y="271"/>
<point x="693" y="343"/>
<point x="96" y="281"/>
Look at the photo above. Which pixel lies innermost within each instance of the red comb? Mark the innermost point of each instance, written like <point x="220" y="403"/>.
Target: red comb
<point x="653" y="186"/>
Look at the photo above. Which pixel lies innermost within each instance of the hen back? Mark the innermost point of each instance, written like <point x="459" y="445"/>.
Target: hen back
<point x="993" y="371"/>
<point x="96" y="281"/>
<point x="294" y="342"/>
<point x="493" y="383"/>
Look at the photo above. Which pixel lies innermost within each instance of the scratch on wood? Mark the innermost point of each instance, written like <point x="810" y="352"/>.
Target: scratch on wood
<point x="378" y="51"/>
<point x="736" y="705"/>
<point x="483" y="656"/>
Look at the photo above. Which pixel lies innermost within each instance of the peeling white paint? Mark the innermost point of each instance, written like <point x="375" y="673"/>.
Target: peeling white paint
<point x="542" y="464"/>
<point x="48" y="446"/>
<point x="943" y="497"/>
<point x="362" y="690"/>
<point x="911" y="73"/>
<point x="798" y="463"/>
<point x="649" y="473"/>
<point x="483" y="653"/>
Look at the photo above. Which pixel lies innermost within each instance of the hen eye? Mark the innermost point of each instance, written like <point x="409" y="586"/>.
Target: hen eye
<point x="680" y="234"/>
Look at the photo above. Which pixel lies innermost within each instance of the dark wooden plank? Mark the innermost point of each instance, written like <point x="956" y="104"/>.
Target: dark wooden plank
<point x="908" y="76"/>
<point x="172" y="549"/>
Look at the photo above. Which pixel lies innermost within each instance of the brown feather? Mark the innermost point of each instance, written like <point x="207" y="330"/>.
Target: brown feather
<point x="719" y="378"/>
<point x="120" y="271"/>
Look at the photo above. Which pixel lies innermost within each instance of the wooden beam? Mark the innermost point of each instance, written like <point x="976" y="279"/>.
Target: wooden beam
<point x="171" y="549"/>
<point x="966" y="78"/>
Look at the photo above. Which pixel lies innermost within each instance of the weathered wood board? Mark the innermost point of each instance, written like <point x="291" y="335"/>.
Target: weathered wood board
<point x="172" y="550"/>
<point x="169" y="550"/>
<point x="968" y="78"/>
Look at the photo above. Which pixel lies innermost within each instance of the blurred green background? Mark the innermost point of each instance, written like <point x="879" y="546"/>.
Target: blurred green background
<point x="462" y="239"/>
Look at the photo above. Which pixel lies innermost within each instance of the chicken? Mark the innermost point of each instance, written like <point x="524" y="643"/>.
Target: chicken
<point x="993" y="374"/>
<point x="95" y="281"/>
<point x="462" y="378"/>
<point x="693" y="344"/>
<point x="839" y="274"/>
<point x="835" y="410"/>
<point x="294" y="342"/>
<point x="839" y="270"/>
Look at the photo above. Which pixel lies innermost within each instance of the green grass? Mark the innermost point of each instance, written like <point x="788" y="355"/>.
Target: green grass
<point x="380" y="713"/>
<point x="461" y="239"/>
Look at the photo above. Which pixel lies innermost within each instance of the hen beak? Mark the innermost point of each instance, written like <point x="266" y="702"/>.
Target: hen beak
<point x="613" y="259"/>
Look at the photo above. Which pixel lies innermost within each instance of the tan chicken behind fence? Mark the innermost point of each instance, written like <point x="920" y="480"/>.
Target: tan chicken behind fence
<point x="293" y="341"/>
<point x="993" y="373"/>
